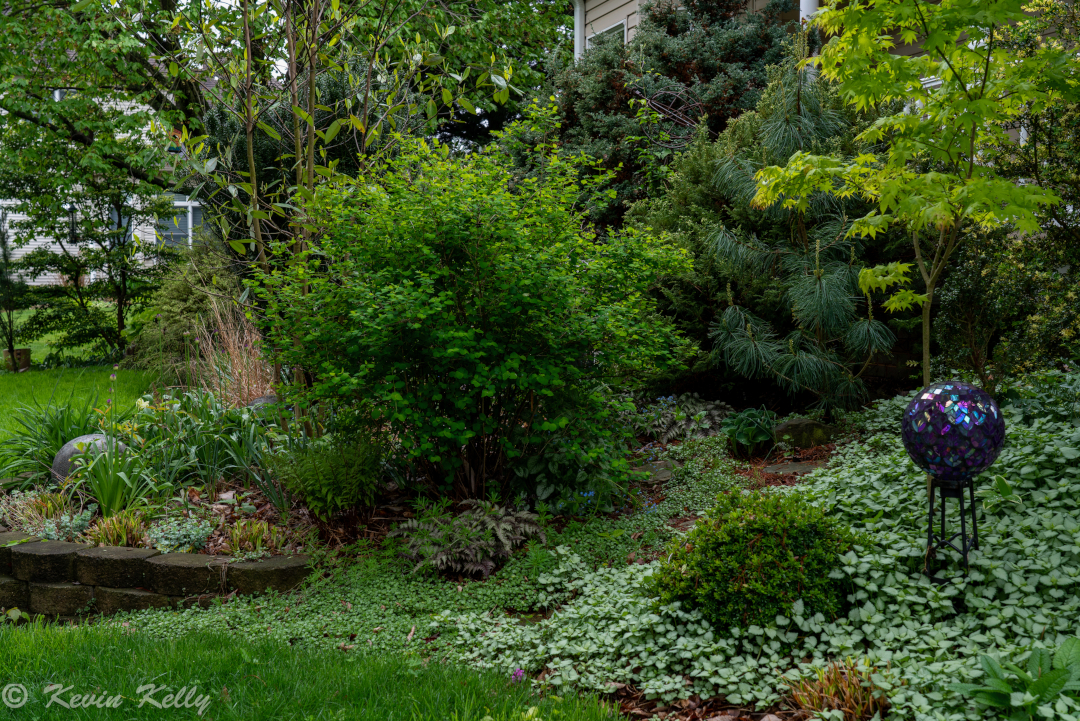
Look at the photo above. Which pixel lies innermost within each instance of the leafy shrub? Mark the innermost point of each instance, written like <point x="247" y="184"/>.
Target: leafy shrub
<point x="473" y="313"/>
<point x="180" y="534"/>
<point x="472" y="542"/>
<point x="126" y="528"/>
<point x="683" y="418"/>
<point x="330" y="475"/>
<point x="749" y="430"/>
<point x="753" y="558"/>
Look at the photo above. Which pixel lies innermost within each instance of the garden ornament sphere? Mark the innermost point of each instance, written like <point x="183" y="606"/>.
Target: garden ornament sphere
<point x="953" y="431"/>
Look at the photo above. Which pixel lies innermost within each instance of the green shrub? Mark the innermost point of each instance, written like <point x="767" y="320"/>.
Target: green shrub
<point x="475" y="316"/>
<point x="752" y="557"/>
<point x="332" y="475"/>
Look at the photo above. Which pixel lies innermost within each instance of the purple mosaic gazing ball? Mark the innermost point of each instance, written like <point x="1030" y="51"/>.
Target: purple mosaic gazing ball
<point x="953" y="430"/>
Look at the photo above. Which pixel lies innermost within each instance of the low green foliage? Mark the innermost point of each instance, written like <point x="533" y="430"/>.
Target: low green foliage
<point x="688" y="416"/>
<point x="595" y="573"/>
<point x="749" y="430"/>
<point x="258" y="679"/>
<point x="330" y="475"/>
<point x="126" y="528"/>
<point x="52" y="516"/>
<point x="116" y="479"/>
<point x="473" y="542"/>
<point x="179" y="534"/>
<point x="756" y="556"/>
<point x="1028" y="693"/>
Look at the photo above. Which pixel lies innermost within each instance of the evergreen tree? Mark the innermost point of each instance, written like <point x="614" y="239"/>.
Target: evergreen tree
<point x="634" y="106"/>
<point x="774" y="291"/>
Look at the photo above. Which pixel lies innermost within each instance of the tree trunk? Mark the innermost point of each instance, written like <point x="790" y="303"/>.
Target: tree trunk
<point x="926" y="333"/>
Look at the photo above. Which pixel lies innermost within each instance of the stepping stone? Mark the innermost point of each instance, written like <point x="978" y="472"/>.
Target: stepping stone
<point x="280" y="573"/>
<point x="13" y="593"/>
<point x="785" y="468"/>
<point x="9" y="541"/>
<point x="186" y="574"/>
<point x="45" y="561"/>
<point x="804" y="432"/>
<point x="113" y="566"/>
<point x="113" y="600"/>
<point x="60" y="599"/>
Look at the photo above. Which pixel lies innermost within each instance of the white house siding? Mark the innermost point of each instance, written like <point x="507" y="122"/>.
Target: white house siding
<point x="602" y="15"/>
<point x="12" y="217"/>
<point x="173" y="230"/>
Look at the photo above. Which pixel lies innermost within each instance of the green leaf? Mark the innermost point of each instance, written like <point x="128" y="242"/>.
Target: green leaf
<point x="1068" y="654"/>
<point x="332" y="130"/>
<point x="991" y="667"/>
<point x="269" y="131"/>
<point x="1050" y="684"/>
<point x="1039" y="662"/>
<point x="238" y="247"/>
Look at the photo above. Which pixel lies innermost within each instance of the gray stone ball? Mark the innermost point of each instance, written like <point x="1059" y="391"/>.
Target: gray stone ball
<point x="64" y="463"/>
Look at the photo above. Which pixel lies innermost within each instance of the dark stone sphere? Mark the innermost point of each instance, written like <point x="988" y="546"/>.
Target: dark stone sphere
<point x="953" y="430"/>
<point x="64" y="462"/>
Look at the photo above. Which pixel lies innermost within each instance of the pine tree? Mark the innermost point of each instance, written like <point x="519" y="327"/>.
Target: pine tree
<point x="812" y="257"/>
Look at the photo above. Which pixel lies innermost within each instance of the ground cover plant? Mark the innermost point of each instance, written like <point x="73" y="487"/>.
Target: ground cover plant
<point x="215" y="676"/>
<point x="600" y="624"/>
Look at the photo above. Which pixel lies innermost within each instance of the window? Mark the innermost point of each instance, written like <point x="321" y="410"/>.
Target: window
<point x="178" y="229"/>
<point x="617" y="30"/>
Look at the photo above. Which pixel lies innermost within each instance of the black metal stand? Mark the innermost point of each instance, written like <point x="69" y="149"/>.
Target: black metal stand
<point x="934" y="541"/>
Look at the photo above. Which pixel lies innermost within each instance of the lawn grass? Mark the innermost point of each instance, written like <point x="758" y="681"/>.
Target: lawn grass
<point x="257" y="679"/>
<point x="63" y="385"/>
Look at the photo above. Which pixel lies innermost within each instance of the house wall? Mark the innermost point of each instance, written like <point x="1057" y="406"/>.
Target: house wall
<point x="174" y="230"/>
<point x="601" y="15"/>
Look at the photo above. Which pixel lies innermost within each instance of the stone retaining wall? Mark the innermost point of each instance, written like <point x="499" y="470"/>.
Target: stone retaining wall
<point x="69" y="579"/>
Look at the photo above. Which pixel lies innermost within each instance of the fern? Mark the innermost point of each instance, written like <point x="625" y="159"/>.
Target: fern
<point x="472" y="543"/>
<point x="683" y="418"/>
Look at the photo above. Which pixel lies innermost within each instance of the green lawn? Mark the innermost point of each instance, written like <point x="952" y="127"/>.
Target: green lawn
<point x="254" y="679"/>
<point x="59" y="385"/>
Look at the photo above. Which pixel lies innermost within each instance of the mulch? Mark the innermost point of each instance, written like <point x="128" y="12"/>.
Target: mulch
<point x="633" y="704"/>
<point x="754" y="469"/>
